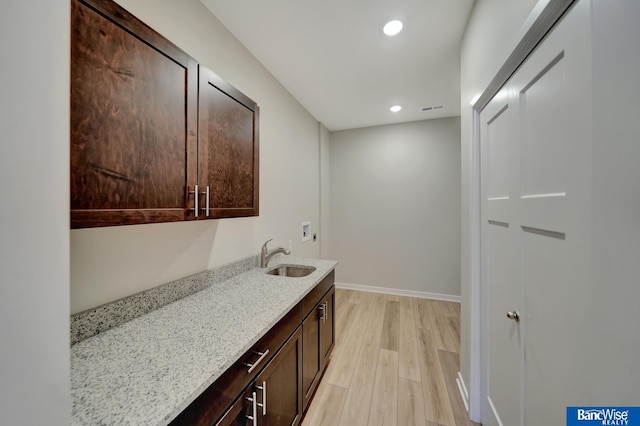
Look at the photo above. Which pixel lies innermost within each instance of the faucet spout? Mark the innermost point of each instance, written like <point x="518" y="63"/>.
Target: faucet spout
<point x="266" y="254"/>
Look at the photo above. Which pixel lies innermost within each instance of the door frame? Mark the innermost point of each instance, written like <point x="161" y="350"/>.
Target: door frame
<point x="543" y="17"/>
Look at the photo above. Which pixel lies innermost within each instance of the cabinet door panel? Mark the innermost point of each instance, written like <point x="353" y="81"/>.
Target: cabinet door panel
<point x="132" y="120"/>
<point x="311" y="364"/>
<point x="283" y="378"/>
<point x="327" y="328"/>
<point x="227" y="148"/>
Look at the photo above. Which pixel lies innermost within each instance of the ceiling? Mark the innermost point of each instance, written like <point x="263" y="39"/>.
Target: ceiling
<point x="334" y="58"/>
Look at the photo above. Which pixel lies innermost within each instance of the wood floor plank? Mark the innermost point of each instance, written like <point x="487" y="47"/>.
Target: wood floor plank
<point x="445" y="334"/>
<point x="377" y="314"/>
<point x="344" y="318"/>
<point x="391" y="326"/>
<point x="409" y="367"/>
<point x="440" y="326"/>
<point x="450" y="363"/>
<point x="358" y="402"/>
<point x="384" y="401"/>
<point x="437" y="405"/>
<point x="454" y="326"/>
<point x="345" y="361"/>
<point x="446" y="308"/>
<point x="328" y="409"/>
<point x="356" y="297"/>
<point x="421" y="313"/>
<point x="410" y="403"/>
<point x="456" y="308"/>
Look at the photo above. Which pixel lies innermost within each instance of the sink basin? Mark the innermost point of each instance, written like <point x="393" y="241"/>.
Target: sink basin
<point x="291" y="270"/>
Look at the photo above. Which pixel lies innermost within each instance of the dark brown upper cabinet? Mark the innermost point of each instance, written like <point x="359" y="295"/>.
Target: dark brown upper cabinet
<point x="227" y="149"/>
<point x="136" y="154"/>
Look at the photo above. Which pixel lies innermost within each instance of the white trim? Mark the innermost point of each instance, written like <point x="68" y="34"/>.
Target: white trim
<point x="475" y="317"/>
<point x="463" y="391"/>
<point x="494" y="411"/>
<point x="399" y="292"/>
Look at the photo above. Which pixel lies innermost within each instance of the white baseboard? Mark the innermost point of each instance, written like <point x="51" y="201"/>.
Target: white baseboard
<point x="463" y="391"/>
<point x="399" y="292"/>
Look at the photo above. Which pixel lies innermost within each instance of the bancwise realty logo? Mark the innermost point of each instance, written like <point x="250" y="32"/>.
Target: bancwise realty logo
<point x="605" y="416"/>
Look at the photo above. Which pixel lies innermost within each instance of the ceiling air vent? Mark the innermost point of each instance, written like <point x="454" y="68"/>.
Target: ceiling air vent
<point x="432" y="108"/>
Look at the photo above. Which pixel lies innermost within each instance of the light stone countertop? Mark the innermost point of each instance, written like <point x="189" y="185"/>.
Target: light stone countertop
<point x="148" y="370"/>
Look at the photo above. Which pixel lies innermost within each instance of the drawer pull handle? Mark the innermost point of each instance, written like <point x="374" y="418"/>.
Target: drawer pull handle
<point x="196" y="194"/>
<point x="324" y="311"/>
<point x="254" y="417"/>
<point x="263" y="388"/>
<point x="258" y="361"/>
<point x="206" y="208"/>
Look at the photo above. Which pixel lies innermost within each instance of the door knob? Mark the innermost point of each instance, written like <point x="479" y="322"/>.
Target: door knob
<point x="513" y="315"/>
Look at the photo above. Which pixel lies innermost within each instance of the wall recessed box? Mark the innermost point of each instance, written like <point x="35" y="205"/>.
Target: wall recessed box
<point x="155" y="136"/>
<point x="306" y="231"/>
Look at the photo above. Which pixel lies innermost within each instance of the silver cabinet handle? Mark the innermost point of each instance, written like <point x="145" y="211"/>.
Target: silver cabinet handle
<point x="514" y="315"/>
<point x="196" y="195"/>
<point x="207" y="212"/>
<point x="254" y="412"/>
<point x="324" y="311"/>
<point x="206" y="208"/>
<point x="263" y="388"/>
<point x="258" y="361"/>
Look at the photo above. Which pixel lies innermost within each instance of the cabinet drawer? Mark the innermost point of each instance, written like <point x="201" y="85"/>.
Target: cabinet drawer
<point x="314" y="296"/>
<point x="214" y="401"/>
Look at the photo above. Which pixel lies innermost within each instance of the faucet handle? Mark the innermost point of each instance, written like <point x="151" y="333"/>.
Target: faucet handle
<point x="264" y="246"/>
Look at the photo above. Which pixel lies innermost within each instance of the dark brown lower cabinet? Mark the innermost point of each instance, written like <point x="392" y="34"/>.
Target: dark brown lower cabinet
<point x="275" y="397"/>
<point x="318" y="332"/>
<point x="274" y="381"/>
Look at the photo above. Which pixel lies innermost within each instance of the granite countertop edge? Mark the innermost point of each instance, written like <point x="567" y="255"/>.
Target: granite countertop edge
<point x="148" y="370"/>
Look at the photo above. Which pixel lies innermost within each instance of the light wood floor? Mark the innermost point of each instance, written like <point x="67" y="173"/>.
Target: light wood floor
<point x="395" y="363"/>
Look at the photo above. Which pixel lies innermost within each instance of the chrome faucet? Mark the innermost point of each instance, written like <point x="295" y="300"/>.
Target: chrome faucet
<point x="268" y="254"/>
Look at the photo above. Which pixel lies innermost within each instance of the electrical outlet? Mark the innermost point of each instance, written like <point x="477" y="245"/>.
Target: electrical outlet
<point x="306" y="231"/>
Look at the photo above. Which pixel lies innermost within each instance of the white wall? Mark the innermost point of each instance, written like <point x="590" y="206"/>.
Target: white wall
<point x="395" y="203"/>
<point x="34" y="236"/>
<point x="492" y="31"/>
<point x="110" y="263"/>
<point x="614" y="290"/>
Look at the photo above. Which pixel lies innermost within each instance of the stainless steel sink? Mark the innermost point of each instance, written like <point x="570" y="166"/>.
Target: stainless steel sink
<point x="291" y="270"/>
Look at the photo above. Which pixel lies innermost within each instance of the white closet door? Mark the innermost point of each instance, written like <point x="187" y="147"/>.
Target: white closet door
<point x="502" y="292"/>
<point x="536" y="229"/>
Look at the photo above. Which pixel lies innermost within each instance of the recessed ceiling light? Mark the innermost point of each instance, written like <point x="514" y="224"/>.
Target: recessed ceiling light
<point x="392" y="27"/>
<point x="395" y="108"/>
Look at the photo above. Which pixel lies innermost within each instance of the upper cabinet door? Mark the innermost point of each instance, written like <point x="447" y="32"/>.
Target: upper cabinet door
<point x="133" y="120"/>
<point x="228" y="157"/>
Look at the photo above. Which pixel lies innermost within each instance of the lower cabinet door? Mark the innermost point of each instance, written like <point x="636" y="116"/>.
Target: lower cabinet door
<point x="243" y="411"/>
<point x="279" y="386"/>
<point x="327" y="328"/>
<point x="311" y="362"/>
